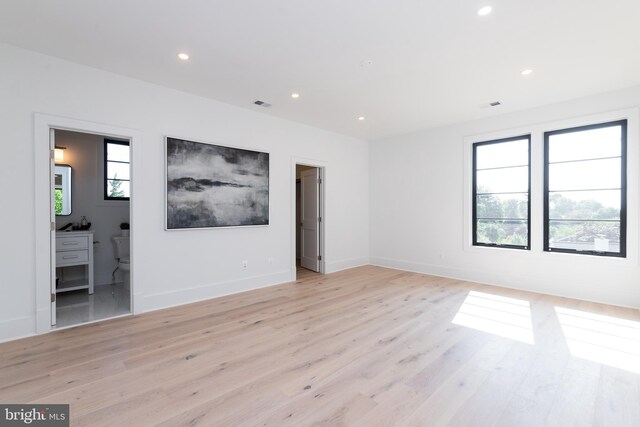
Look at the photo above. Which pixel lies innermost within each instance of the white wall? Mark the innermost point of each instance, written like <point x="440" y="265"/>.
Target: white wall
<point x="180" y="266"/>
<point x="420" y="208"/>
<point x="84" y="154"/>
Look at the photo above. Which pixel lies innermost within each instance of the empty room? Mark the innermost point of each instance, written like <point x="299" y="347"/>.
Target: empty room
<point x="336" y="213"/>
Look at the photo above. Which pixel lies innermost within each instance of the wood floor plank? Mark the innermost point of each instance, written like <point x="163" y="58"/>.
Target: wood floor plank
<point x="618" y="400"/>
<point x="579" y="384"/>
<point x="449" y="399"/>
<point x="368" y="346"/>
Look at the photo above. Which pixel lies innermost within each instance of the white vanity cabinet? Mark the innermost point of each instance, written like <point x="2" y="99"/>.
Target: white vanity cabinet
<point x="74" y="248"/>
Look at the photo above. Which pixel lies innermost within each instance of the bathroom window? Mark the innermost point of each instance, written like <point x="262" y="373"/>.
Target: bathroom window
<point x="117" y="177"/>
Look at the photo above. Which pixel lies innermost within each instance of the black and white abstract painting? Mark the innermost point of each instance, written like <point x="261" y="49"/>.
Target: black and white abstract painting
<point x="214" y="186"/>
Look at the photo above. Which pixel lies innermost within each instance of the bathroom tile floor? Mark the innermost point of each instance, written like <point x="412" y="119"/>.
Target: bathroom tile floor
<point x="76" y="307"/>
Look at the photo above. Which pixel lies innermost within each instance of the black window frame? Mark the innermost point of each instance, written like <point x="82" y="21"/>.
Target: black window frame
<point x="104" y="166"/>
<point x="474" y="194"/>
<point x="623" y="189"/>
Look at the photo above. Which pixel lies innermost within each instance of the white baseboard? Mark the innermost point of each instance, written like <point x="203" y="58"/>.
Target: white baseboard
<point x="13" y="329"/>
<point x="486" y="278"/>
<point x="213" y="290"/>
<point x="334" y="266"/>
<point x="436" y="270"/>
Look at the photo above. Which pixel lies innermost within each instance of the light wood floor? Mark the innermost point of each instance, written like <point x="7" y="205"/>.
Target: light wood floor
<point x="363" y="347"/>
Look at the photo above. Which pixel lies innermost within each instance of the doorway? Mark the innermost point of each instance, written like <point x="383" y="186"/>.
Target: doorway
<point x="309" y="221"/>
<point x="76" y="249"/>
<point x="92" y="216"/>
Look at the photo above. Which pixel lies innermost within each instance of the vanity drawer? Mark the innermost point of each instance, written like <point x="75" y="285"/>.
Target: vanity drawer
<point x="72" y="258"/>
<point x="71" y="243"/>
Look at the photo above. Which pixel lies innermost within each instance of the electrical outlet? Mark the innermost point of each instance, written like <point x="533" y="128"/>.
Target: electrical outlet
<point x="245" y="264"/>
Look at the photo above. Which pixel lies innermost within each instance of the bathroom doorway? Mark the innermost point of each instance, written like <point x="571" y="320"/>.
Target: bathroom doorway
<point x="92" y="263"/>
<point x="89" y="209"/>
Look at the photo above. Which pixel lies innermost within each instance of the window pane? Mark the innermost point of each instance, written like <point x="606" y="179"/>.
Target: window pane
<point x="585" y="175"/>
<point x="501" y="154"/>
<point x="117" y="188"/>
<point x="510" y="180"/>
<point x="585" y="205"/>
<point x="118" y="152"/>
<point x="502" y="232"/>
<point x="585" y="235"/>
<point x="511" y="206"/>
<point x="586" y="189"/>
<point x="117" y="170"/>
<point x="58" y="201"/>
<point x="501" y="204"/>
<point x="588" y="144"/>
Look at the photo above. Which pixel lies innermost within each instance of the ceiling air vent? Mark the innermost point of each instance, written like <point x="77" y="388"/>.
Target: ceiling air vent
<point x="262" y="103"/>
<point x="491" y="104"/>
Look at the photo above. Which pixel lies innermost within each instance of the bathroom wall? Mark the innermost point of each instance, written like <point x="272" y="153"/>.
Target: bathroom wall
<point x="84" y="154"/>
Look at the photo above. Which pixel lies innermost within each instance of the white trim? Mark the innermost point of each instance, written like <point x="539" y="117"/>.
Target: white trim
<point x="335" y="266"/>
<point x="209" y="291"/>
<point x="42" y="125"/>
<point x="537" y="170"/>
<point x="14" y="329"/>
<point x="486" y="278"/>
<point x="322" y="167"/>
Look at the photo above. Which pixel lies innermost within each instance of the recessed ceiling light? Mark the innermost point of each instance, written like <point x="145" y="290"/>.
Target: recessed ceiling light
<point x="183" y="56"/>
<point x="361" y="118"/>
<point x="484" y="11"/>
<point x="295" y="95"/>
<point x="526" y="71"/>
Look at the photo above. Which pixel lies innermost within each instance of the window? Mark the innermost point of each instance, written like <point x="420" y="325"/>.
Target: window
<point x="585" y="189"/>
<point x="116" y="170"/>
<point x="501" y="205"/>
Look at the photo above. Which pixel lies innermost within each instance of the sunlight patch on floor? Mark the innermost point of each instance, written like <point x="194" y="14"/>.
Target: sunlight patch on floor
<point x="506" y="317"/>
<point x="603" y="339"/>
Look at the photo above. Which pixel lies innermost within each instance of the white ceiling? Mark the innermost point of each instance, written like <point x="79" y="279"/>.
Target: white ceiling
<point x="433" y="62"/>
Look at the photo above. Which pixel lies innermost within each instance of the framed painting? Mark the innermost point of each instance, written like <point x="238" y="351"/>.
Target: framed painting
<point x="211" y="185"/>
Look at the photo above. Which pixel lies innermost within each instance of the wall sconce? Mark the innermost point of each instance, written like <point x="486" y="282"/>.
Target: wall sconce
<point x="58" y="154"/>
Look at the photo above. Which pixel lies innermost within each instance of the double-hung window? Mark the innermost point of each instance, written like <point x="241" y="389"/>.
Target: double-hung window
<point x="585" y="189"/>
<point x="116" y="170"/>
<point x="501" y="193"/>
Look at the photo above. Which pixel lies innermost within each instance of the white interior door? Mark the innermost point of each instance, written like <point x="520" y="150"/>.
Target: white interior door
<point x="52" y="213"/>
<point x="310" y="219"/>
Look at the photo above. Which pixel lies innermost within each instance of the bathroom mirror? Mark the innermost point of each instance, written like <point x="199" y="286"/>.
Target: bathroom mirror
<point x="62" y="190"/>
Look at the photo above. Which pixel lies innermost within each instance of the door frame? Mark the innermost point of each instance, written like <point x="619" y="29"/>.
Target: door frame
<point x="43" y="123"/>
<point x="322" y="168"/>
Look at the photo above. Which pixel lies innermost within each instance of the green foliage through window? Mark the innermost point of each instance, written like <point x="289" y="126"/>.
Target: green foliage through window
<point x="114" y="187"/>
<point x="58" y="201"/>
